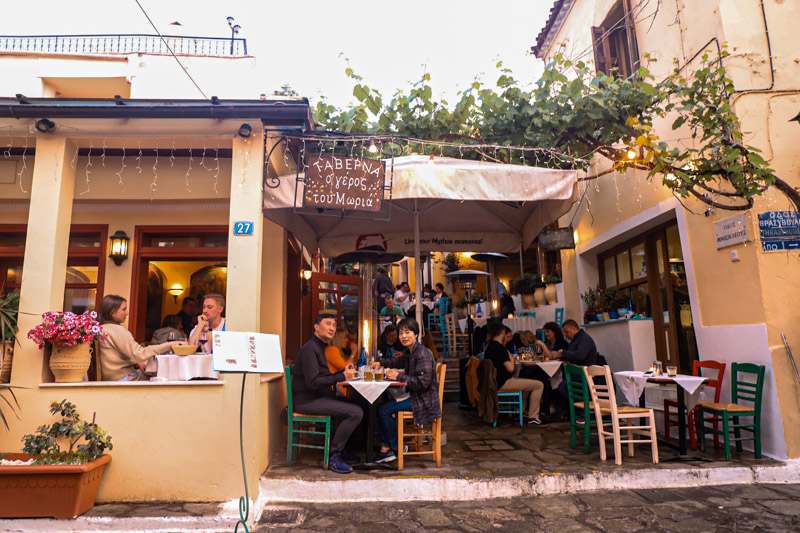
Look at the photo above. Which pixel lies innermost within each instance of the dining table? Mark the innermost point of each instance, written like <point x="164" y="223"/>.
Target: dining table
<point x="370" y="392"/>
<point x="174" y="367"/>
<point x="632" y="385"/>
<point x="552" y="369"/>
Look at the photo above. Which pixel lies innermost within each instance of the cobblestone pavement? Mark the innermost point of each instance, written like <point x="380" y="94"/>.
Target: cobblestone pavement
<point x="699" y="509"/>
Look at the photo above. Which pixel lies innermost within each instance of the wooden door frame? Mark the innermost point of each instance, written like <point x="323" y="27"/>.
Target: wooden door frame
<point x="317" y="277"/>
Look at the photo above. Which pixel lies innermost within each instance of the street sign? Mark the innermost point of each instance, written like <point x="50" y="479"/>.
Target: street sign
<point x="244" y="227"/>
<point x="779" y="230"/>
<point x="732" y="230"/>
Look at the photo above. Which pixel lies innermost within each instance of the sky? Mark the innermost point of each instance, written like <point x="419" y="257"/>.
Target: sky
<point x="305" y="43"/>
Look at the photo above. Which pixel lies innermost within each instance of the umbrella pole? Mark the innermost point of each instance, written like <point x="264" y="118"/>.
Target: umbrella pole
<point x="417" y="286"/>
<point x="521" y="270"/>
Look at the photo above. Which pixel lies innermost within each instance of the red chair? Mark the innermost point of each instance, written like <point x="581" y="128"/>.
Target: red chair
<point x="671" y="405"/>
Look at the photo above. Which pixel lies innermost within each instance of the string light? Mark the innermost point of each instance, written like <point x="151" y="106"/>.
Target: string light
<point x="24" y="166"/>
<point x="75" y="155"/>
<point x="203" y="159"/>
<point x="631" y="154"/>
<point x="7" y="153"/>
<point x="103" y="156"/>
<point x="154" y="185"/>
<point x="216" y="174"/>
<point x="88" y="166"/>
<point x="122" y="168"/>
<point x="189" y="168"/>
<point x="139" y="157"/>
<point x="372" y="148"/>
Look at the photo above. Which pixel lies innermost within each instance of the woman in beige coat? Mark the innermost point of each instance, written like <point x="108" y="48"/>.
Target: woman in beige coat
<point x="121" y="357"/>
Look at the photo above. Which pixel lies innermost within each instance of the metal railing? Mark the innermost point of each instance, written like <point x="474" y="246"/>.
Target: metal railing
<point x="124" y="44"/>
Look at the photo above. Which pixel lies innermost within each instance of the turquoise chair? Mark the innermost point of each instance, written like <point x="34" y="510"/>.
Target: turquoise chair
<point x="444" y="308"/>
<point x="527" y="313"/>
<point x="444" y="303"/>
<point x="509" y="402"/>
<point x="730" y="414"/>
<point x="559" y="316"/>
<point x="311" y="430"/>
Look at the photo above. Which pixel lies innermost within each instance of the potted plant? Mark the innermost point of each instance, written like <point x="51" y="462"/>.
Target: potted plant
<point x="550" y="292"/>
<point x="48" y="480"/>
<point x="69" y="336"/>
<point x="9" y="309"/>
<point x="526" y="286"/>
<point x="538" y="293"/>
<point x="590" y="299"/>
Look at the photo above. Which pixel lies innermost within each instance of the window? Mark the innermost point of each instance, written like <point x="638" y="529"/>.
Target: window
<point x="614" y="42"/>
<point x="85" y="264"/>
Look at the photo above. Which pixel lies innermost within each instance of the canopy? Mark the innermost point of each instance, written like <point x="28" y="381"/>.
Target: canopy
<point x="462" y="206"/>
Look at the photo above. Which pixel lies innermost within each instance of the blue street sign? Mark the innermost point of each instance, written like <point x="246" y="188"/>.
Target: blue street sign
<point x="244" y="227"/>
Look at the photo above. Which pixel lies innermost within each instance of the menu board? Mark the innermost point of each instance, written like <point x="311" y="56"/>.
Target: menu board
<point x="243" y="351"/>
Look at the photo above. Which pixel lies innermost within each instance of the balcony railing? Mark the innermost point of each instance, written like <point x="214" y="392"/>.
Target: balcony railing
<point x="123" y="44"/>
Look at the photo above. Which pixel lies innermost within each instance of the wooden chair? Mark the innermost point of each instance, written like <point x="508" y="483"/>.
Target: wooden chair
<point x="607" y="413"/>
<point x="580" y="404"/>
<point x="406" y="429"/>
<point x="309" y="430"/>
<point x="559" y="316"/>
<point x="671" y="404"/>
<point x="450" y="322"/>
<point x="95" y="368"/>
<point x="741" y="390"/>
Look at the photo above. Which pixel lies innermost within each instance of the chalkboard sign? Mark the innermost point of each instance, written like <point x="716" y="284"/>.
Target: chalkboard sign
<point x="344" y="182"/>
<point x="557" y="239"/>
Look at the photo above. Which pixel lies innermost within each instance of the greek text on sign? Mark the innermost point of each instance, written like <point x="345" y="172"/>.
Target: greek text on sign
<point x="732" y="230"/>
<point x="780" y="230"/>
<point x="344" y="182"/>
<point x="240" y="351"/>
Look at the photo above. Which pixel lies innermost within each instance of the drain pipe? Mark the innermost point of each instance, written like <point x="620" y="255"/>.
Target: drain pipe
<point x="791" y="357"/>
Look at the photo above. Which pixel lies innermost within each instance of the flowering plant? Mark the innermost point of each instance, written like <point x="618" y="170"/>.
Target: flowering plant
<point x="66" y="329"/>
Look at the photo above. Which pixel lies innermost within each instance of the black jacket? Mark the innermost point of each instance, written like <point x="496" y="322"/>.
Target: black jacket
<point x="420" y="379"/>
<point x="311" y="377"/>
<point x="581" y="350"/>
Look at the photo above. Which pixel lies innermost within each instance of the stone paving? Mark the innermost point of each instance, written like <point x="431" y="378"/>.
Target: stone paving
<point x="701" y="509"/>
<point x="476" y="450"/>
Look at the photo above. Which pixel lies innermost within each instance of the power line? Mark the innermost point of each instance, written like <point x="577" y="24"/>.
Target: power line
<point x="170" y="49"/>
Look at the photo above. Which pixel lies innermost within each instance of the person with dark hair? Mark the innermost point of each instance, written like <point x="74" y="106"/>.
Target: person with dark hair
<point x="312" y="392"/>
<point x="388" y="343"/>
<point x="210" y="320"/>
<point x="504" y="363"/>
<point x="391" y="309"/>
<point x="188" y="313"/>
<point x="507" y="306"/>
<point x="423" y="388"/>
<point x="439" y="292"/>
<point x="383" y="286"/>
<point x="121" y="357"/>
<point x="171" y="326"/>
<point x="554" y="340"/>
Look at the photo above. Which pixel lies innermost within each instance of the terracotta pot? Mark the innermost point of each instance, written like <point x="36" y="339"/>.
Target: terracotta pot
<point x="58" y="491"/>
<point x="539" y="296"/>
<point x="8" y="356"/>
<point x="528" y="301"/>
<point x="550" y="293"/>
<point x="70" y="363"/>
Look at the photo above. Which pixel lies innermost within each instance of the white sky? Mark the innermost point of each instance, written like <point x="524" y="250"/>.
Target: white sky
<point x="299" y="42"/>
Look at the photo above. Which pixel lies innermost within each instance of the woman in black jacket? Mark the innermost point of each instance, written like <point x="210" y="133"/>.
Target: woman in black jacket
<point x="419" y="376"/>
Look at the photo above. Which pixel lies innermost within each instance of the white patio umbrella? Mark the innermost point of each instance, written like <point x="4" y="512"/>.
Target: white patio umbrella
<point x="437" y="204"/>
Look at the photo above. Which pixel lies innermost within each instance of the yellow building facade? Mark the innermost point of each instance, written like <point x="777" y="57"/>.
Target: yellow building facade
<point x="737" y="300"/>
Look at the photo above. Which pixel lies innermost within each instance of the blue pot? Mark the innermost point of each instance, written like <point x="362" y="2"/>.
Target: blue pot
<point x="613" y="315"/>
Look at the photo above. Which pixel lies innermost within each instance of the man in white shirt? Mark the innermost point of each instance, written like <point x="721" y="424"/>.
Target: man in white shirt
<point x="402" y="296"/>
<point x="210" y="320"/>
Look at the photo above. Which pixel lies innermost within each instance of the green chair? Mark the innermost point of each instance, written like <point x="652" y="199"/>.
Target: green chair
<point x="311" y="431"/>
<point x="509" y="402"/>
<point x="580" y="403"/>
<point x="747" y="384"/>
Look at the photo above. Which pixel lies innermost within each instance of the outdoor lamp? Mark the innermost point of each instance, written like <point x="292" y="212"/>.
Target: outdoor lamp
<point x="119" y="247"/>
<point x="44" y="125"/>
<point x="306" y="275"/>
<point x="244" y="131"/>
<point x="175" y="291"/>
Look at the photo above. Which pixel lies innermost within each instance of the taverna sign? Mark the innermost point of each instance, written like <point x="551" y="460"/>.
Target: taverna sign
<point x="344" y="182"/>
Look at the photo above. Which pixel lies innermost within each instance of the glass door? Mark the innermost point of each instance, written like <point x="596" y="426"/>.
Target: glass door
<point x="338" y="295"/>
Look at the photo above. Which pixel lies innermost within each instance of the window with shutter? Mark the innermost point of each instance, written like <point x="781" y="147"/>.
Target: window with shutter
<point x="614" y="42"/>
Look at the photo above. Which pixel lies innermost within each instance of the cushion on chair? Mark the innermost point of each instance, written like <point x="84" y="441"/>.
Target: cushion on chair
<point x="730" y="407"/>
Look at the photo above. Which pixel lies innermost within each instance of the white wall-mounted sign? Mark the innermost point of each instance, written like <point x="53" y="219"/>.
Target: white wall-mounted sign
<point x="240" y="351"/>
<point x="732" y="230"/>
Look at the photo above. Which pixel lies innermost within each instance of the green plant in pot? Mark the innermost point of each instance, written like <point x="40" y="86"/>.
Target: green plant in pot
<point x="591" y="300"/>
<point x="60" y="469"/>
<point x="9" y="311"/>
<point x="526" y="286"/>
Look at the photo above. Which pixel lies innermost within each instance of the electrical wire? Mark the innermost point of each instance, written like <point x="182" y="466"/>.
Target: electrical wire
<point x="170" y="49"/>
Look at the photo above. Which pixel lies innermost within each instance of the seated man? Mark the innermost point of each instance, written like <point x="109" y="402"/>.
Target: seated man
<point x="312" y="391"/>
<point x="210" y="320"/>
<point x="504" y="363"/>
<point x="390" y="309"/>
<point x="388" y="343"/>
<point x="581" y="351"/>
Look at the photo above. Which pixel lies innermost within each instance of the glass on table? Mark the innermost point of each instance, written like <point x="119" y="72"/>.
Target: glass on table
<point x="368" y="374"/>
<point x="378" y="374"/>
<point x="672" y="371"/>
<point x="658" y="368"/>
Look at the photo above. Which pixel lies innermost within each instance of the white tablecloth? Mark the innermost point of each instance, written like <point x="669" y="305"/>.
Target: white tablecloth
<point x="371" y="390"/>
<point x="551" y="368"/>
<point x="185" y="367"/>
<point x="519" y="323"/>
<point x="632" y="383"/>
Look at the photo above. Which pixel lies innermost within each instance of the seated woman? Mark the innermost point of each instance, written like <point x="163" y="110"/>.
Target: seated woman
<point x="423" y="387"/>
<point x="121" y="357"/>
<point x="171" y="329"/>
<point x="388" y="343"/>
<point x="554" y="338"/>
<point x="504" y="363"/>
<point x="337" y="361"/>
<point x="439" y="292"/>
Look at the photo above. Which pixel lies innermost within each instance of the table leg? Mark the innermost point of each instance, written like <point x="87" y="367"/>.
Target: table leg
<point x="681" y="422"/>
<point x="370" y="433"/>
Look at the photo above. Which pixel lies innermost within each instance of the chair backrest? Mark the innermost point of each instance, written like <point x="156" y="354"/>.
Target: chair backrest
<point x="289" y="388"/>
<point x="527" y="313"/>
<point x="95" y="367"/>
<point x="601" y="392"/>
<point x="742" y="389"/>
<point x="444" y="304"/>
<point x="450" y="320"/>
<point x="441" y="368"/>
<point x="577" y="389"/>
<point x="716" y="382"/>
<point x="559" y="316"/>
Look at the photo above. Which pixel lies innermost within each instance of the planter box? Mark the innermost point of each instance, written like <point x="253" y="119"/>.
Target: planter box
<point x="58" y="491"/>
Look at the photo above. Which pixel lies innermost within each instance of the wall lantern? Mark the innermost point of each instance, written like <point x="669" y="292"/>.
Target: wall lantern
<point x="175" y="291"/>
<point x="244" y="131"/>
<point x="306" y="275"/>
<point x="119" y="247"/>
<point x="44" y="125"/>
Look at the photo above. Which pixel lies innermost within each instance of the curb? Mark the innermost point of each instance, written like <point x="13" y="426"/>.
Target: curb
<point x="401" y="489"/>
